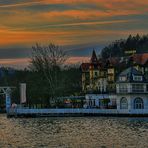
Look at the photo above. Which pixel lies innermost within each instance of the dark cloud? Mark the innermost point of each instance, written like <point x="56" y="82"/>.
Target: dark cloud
<point x="14" y="52"/>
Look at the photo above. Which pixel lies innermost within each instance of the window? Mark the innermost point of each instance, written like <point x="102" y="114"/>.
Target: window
<point x="94" y="103"/>
<point x="137" y="78"/>
<point x="122" y="78"/>
<point x="138" y="103"/>
<point x="102" y="74"/>
<point x="123" y="103"/>
<point x="96" y="74"/>
<point x="123" y="88"/>
<point x="110" y="78"/>
<point x="111" y="71"/>
<point x="137" y="88"/>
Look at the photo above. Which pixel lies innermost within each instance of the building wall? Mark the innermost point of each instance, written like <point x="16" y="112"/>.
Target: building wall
<point x="97" y="99"/>
<point x="131" y="98"/>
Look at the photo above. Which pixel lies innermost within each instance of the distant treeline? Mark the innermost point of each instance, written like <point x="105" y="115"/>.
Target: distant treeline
<point x="38" y="91"/>
<point x="118" y="48"/>
<point x="47" y="78"/>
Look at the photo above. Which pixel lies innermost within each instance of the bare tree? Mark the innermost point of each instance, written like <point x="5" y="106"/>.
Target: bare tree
<point x="48" y="61"/>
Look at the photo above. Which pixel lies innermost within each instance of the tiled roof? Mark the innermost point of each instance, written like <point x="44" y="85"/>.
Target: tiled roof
<point x="85" y="66"/>
<point x="130" y="71"/>
<point x="140" y="58"/>
<point x="114" y="61"/>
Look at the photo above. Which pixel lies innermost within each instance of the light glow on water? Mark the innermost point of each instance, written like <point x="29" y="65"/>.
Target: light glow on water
<point x="74" y="132"/>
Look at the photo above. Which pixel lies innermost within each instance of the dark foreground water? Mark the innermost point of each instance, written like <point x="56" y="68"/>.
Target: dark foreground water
<point x="73" y="132"/>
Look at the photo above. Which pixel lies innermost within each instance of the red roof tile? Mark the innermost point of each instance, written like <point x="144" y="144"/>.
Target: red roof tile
<point x="141" y="58"/>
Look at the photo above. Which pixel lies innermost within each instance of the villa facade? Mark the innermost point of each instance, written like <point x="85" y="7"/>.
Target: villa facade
<point x="98" y="75"/>
<point x="127" y="91"/>
<point x="132" y="91"/>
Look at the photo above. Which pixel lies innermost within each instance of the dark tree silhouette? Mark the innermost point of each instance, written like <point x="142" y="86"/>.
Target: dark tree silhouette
<point x="118" y="48"/>
<point x="48" y="60"/>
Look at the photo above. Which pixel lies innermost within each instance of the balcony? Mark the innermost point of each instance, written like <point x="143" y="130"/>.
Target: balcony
<point x="131" y="88"/>
<point x="138" y="91"/>
<point x="131" y="91"/>
<point x="122" y="91"/>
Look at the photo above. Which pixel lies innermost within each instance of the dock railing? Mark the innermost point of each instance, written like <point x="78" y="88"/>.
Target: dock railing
<point x="74" y="111"/>
<point x="66" y="111"/>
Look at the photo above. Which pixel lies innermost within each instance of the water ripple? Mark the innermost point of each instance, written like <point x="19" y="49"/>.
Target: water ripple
<point x="73" y="132"/>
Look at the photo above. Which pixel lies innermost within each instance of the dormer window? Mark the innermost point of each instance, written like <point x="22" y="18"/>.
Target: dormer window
<point x="137" y="78"/>
<point x="122" y="78"/>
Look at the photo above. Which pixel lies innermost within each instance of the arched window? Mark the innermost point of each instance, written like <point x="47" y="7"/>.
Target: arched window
<point x="138" y="103"/>
<point x="123" y="103"/>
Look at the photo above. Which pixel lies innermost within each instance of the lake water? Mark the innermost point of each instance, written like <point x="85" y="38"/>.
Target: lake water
<point x="73" y="132"/>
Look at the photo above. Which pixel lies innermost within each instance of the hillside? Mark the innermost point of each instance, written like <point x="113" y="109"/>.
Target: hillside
<point x="137" y="43"/>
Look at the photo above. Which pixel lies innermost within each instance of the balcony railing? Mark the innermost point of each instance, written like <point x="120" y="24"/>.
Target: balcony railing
<point x="137" y="90"/>
<point x="132" y="91"/>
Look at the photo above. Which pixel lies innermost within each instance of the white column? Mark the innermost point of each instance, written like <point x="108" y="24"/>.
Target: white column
<point x="23" y="93"/>
<point x="118" y="103"/>
<point x="130" y="103"/>
<point x="144" y="87"/>
<point x="8" y="98"/>
<point x="117" y="88"/>
<point x="129" y="87"/>
<point x="104" y="84"/>
<point x="101" y="86"/>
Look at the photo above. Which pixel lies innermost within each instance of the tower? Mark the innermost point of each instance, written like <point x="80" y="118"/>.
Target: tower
<point x="94" y="59"/>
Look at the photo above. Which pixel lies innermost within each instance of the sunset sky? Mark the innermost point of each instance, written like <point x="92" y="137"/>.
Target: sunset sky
<point x="77" y="25"/>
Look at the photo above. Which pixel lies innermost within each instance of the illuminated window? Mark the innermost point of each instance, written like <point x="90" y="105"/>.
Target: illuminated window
<point x="110" y="71"/>
<point x="123" y="103"/>
<point x="110" y="78"/>
<point x="122" y="78"/>
<point x="138" y="103"/>
<point x="137" y="78"/>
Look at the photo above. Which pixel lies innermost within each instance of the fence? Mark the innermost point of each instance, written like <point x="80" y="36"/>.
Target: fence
<point x="80" y="111"/>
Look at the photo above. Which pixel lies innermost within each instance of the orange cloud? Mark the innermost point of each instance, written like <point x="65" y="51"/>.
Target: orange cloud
<point x="58" y="36"/>
<point x="77" y="60"/>
<point x="88" y="1"/>
<point x="28" y="37"/>
<point x="19" y="4"/>
<point x="62" y="36"/>
<point x="85" y="15"/>
<point x="110" y="4"/>
<point x="24" y="62"/>
<point x="14" y="61"/>
<point x="19" y="63"/>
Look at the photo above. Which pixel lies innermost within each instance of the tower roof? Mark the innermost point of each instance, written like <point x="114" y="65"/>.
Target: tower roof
<point x="94" y="57"/>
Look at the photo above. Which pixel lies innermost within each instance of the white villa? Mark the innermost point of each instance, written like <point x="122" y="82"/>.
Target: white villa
<point x="131" y="94"/>
<point x="132" y="91"/>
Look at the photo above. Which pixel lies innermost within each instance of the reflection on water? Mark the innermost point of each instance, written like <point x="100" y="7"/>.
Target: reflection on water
<point x="74" y="132"/>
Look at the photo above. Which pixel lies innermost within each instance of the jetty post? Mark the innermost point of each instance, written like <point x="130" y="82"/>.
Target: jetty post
<point x="8" y="98"/>
<point x="22" y="93"/>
